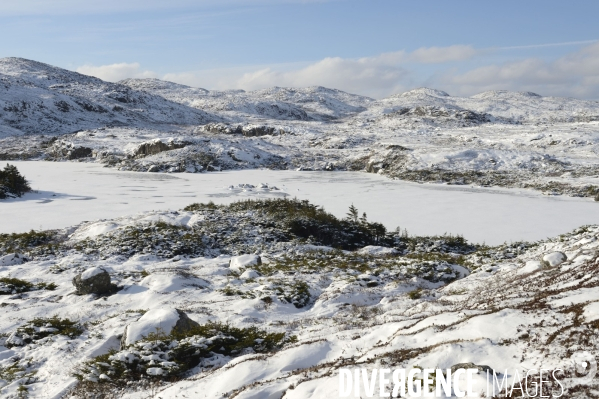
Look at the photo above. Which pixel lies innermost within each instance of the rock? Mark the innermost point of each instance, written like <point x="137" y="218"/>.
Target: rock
<point x="95" y="280"/>
<point x="329" y="166"/>
<point x="12" y="260"/>
<point x="555" y="258"/>
<point x="376" y="250"/>
<point x="157" y="146"/>
<point x="162" y="321"/>
<point x="244" y="261"/>
<point x="471" y="365"/>
<point x="79" y="152"/>
<point x="374" y="166"/>
<point x="530" y="267"/>
<point x="253" y="131"/>
<point x="249" y="273"/>
<point x="154" y="168"/>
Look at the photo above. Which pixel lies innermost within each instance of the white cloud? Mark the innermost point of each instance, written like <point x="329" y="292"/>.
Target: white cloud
<point x="575" y="74"/>
<point x="438" y="55"/>
<point x="376" y="76"/>
<point x="116" y="72"/>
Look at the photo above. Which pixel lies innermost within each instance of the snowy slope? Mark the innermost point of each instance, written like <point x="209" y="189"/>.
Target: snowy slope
<point x="42" y="99"/>
<point x="505" y="106"/>
<point x="313" y="103"/>
<point x="431" y="304"/>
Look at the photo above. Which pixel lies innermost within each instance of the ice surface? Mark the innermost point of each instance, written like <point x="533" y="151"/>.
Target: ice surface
<point x="72" y="192"/>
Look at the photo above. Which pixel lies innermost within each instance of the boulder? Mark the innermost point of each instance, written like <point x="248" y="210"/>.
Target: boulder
<point x="79" y="152"/>
<point x="12" y="260"/>
<point x="249" y="273"/>
<point x="157" y="146"/>
<point x="555" y="258"/>
<point x="237" y="263"/>
<point x="479" y="367"/>
<point x="94" y="280"/>
<point x="161" y="321"/>
<point x="376" y="250"/>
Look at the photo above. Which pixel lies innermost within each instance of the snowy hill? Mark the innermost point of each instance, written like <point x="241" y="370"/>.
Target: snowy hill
<point x="39" y="98"/>
<point x="313" y="103"/>
<point x="185" y="316"/>
<point x="490" y="106"/>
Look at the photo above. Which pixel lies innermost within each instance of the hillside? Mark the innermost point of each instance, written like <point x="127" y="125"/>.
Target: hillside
<point x="37" y="98"/>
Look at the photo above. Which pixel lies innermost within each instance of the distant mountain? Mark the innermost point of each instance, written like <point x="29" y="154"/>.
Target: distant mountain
<point x="491" y="106"/>
<point x="39" y="98"/>
<point x="312" y="103"/>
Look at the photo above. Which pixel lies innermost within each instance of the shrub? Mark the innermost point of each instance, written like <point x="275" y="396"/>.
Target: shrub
<point x="12" y="183"/>
<point x="40" y="328"/>
<point x="164" y="356"/>
<point x="16" y="286"/>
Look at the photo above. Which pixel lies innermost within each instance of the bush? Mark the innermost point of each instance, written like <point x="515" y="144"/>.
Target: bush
<point x="16" y="286"/>
<point x="40" y="328"/>
<point x="12" y="184"/>
<point x="164" y="356"/>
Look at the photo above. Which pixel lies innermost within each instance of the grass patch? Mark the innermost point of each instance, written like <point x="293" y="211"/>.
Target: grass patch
<point x="10" y="286"/>
<point x="40" y="328"/>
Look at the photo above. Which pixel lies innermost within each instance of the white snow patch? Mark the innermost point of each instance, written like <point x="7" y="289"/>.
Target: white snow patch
<point x="377" y="250"/>
<point x="91" y="272"/>
<point x="12" y="260"/>
<point x="555" y="258"/>
<point x="156" y="320"/>
<point x="243" y="261"/>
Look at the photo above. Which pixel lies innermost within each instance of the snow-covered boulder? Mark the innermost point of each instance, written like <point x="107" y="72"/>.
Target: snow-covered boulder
<point x="94" y="280"/>
<point x="12" y="260"/>
<point x="237" y="263"/>
<point x="555" y="258"/>
<point x="249" y="273"/>
<point x="530" y="267"/>
<point x="377" y="250"/>
<point x="158" y="321"/>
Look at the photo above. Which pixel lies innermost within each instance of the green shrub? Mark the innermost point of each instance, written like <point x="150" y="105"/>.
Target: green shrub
<point x="163" y="356"/>
<point x="40" y="328"/>
<point x="12" y="184"/>
<point x="16" y="286"/>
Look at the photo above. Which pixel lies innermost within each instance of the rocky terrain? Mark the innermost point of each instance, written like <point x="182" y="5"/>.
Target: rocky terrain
<point x="498" y="138"/>
<point x="273" y="297"/>
<point x="270" y="298"/>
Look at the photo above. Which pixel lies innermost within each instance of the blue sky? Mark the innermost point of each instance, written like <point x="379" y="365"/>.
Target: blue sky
<point x="374" y="47"/>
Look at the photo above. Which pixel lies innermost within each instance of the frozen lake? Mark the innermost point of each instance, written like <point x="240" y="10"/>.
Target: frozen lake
<point x="69" y="193"/>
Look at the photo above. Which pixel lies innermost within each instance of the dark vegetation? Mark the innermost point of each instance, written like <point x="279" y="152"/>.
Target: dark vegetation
<point x="40" y="328"/>
<point x="16" y="286"/>
<point x="178" y="353"/>
<point x="301" y="219"/>
<point x="12" y="183"/>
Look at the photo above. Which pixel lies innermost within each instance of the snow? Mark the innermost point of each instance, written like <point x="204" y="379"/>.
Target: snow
<point x="12" y="260"/>
<point x="555" y="258"/>
<point x="71" y="192"/>
<point x="155" y="321"/>
<point x="377" y="250"/>
<point x="505" y="309"/>
<point x="91" y="272"/>
<point x="249" y="273"/>
<point x="238" y="263"/>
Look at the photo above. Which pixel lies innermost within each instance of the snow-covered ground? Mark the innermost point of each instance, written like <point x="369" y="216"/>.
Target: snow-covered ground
<point x="69" y="193"/>
<point x="249" y="295"/>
